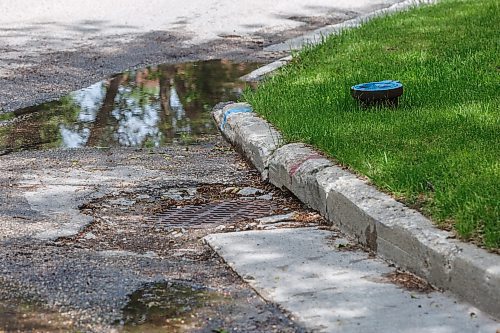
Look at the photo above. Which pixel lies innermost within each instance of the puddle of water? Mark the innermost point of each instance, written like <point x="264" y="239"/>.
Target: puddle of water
<point x="27" y="318"/>
<point x="168" y="307"/>
<point x="148" y="107"/>
<point x="24" y="316"/>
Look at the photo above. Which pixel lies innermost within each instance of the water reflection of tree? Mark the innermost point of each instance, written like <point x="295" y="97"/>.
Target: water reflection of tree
<point x="139" y="108"/>
<point x="201" y="85"/>
<point x="104" y="124"/>
<point x="166" y="73"/>
<point x="128" y="114"/>
<point x="39" y="126"/>
<point x="89" y="101"/>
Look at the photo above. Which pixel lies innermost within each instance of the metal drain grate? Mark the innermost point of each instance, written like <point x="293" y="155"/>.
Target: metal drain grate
<point x="220" y="212"/>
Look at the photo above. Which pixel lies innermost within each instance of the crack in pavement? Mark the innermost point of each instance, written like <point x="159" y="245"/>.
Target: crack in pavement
<point x="85" y="245"/>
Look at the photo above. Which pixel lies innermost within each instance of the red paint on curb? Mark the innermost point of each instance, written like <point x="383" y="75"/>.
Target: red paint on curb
<point x="296" y="166"/>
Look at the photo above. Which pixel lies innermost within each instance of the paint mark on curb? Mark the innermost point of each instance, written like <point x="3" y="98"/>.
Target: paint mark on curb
<point x="243" y="109"/>
<point x="295" y="167"/>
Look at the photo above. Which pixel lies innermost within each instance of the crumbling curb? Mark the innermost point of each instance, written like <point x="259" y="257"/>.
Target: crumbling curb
<point x="394" y="231"/>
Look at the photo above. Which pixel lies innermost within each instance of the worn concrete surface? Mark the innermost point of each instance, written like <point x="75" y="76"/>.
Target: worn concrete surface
<point x="330" y="286"/>
<point x="48" y="48"/>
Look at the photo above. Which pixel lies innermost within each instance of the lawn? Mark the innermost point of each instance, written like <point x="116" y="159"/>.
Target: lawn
<point x="439" y="151"/>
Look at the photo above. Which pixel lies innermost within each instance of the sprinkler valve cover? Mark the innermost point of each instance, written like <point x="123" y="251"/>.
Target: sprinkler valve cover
<point x="378" y="92"/>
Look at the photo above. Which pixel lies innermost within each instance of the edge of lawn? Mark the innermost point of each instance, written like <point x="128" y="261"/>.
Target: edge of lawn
<point x="383" y="225"/>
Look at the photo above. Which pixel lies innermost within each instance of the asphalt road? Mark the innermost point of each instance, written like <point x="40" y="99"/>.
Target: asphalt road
<point x="56" y="277"/>
<point x="48" y="48"/>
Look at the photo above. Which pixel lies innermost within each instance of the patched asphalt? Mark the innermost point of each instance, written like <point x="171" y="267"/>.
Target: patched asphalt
<point x="87" y="276"/>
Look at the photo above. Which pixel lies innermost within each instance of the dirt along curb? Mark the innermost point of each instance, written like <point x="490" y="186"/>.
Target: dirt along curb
<point x="395" y="232"/>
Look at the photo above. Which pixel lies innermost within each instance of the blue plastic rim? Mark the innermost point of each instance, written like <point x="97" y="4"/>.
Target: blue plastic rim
<point x="378" y="86"/>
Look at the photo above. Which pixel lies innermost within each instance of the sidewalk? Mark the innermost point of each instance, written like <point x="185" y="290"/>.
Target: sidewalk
<point x="328" y="284"/>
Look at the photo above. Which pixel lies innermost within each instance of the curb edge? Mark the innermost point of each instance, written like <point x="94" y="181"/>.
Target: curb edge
<point x="317" y="35"/>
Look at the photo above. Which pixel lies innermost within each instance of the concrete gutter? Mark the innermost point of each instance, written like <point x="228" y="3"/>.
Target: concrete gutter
<point x="395" y="232"/>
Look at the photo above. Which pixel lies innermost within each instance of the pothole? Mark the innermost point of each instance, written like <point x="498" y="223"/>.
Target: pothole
<point x="167" y="221"/>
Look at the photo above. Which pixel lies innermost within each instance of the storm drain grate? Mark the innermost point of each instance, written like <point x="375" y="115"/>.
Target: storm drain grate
<point x="220" y="212"/>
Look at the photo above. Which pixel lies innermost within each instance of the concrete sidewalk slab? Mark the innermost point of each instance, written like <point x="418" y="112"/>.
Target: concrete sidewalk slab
<point x="330" y="289"/>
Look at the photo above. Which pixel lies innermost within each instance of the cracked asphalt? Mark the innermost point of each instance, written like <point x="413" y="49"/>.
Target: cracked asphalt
<point x="87" y="276"/>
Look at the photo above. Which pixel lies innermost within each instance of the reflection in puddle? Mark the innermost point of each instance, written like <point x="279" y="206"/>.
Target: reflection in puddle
<point x="144" y="108"/>
<point x="168" y="307"/>
<point x="27" y="316"/>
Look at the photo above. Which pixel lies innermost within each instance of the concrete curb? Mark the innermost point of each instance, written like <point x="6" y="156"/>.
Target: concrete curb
<point x="317" y="35"/>
<point x="397" y="233"/>
<point x="259" y="73"/>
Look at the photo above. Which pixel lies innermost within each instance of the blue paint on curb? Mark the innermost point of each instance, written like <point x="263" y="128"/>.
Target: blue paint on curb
<point x="243" y="109"/>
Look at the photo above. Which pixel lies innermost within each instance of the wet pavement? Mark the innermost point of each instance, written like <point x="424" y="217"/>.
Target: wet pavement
<point x="50" y="48"/>
<point x="149" y="107"/>
<point x="90" y="185"/>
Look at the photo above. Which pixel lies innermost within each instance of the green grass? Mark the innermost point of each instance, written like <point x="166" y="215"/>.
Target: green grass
<point x="439" y="150"/>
